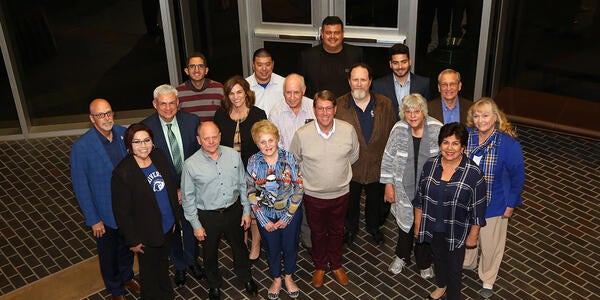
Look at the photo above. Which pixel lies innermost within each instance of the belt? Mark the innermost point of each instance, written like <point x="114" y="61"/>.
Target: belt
<point x="222" y="210"/>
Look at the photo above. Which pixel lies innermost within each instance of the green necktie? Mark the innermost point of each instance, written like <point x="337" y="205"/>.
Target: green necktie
<point x="175" y="151"/>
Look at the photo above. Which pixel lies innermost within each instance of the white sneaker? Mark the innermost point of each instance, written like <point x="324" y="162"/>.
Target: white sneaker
<point x="427" y="273"/>
<point x="397" y="265"/>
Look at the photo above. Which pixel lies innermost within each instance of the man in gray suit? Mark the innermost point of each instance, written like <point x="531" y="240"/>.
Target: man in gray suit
<point x="401" y="81"/>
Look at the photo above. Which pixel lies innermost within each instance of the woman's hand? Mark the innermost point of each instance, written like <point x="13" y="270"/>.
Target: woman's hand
<point x="281" y="224"/>
<point x="270" y="227"/>
<point x="508" y="212"/>
<point x="390" y="195"/>
<point x="137" y="249"/>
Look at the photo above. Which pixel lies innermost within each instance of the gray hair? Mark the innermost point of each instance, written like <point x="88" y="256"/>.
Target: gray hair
<point x="413" y="101"/>
<point x="164" y="89"/>
<point x="296" y="76"/>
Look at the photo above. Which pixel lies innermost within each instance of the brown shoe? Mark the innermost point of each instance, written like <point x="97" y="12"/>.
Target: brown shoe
<point x="133" y="285"/>
<point x="340" y="276"/>
<point x="317" y="280"/>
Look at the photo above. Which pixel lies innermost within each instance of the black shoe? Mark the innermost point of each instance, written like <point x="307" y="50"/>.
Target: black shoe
<point x="214" y="293"/>
<point x="251" y="288"/>
<point x="308" y="249"/>
<point x="197" y="271"/>
<point x="377" y="238"/>
<point x="179" y="277"/>
<point x="349" y="237"/>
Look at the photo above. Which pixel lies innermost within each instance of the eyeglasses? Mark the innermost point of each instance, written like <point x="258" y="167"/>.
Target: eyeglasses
<point x="197" y="66"/>
<point x="327" y="109"/>
<point x="103" y="115"/>
<point x="412" y="111"/>
<point x="145" y="141"/>
<point x="445" y="85"/>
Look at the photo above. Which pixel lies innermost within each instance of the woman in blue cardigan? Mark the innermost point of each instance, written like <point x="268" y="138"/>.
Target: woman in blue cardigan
<point x="492" y="145"/>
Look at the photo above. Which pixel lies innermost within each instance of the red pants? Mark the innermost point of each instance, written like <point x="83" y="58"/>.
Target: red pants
<point x="326" y="219"/>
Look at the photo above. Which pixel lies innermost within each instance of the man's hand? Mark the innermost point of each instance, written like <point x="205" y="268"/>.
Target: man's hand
<point x="179" y="199"/>
<point x="246" y="222"/>
<point x="200" y="234"/>
<point x="508" y="212"/>
<point x="390" y="194"/>
<point x="98" y="229"/>
<point x="137" y="249"/>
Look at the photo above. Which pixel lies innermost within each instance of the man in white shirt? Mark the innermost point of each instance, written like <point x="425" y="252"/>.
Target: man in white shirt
<point x="266" y="85"/>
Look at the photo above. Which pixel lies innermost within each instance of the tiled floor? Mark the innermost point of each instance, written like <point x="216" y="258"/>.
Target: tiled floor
<point x="553" y="248"/>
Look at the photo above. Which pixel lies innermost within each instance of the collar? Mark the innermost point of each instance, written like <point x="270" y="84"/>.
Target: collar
<point x="204" y="85"/>
<point x="322" y="133"/>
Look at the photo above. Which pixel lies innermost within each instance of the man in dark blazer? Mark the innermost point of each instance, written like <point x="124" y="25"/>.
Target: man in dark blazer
<point x="182" y="127"/>
<point x="93" y="157"/>
<point x="401" y="81"/>
<point x="449" y="107"/>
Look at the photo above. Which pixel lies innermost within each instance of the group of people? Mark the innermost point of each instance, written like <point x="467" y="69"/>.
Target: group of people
<point x="256" y="161"/>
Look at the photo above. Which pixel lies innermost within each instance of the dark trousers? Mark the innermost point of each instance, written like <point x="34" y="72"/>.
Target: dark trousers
<point x="326" y="220"/>
<point x="116" y="261"/>
<point x="186" y="254"/>
<point x="227" y="223"/>
<point x="154" y="271"/>
<point x="282" y="240"/>
<point x="448" y="266"/>
<point x="375" y="207"/>
<point x="404" y="247"/>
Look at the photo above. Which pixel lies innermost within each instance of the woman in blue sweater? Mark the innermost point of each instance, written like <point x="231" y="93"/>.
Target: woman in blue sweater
<point x="492" y="145"/>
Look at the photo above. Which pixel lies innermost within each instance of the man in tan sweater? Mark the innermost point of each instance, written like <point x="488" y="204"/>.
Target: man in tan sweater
<point x="326" y="149"/>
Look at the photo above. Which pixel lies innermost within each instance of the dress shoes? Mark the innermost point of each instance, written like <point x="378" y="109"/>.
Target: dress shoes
<point x="133" y="285"/>
<point x="349" y="238"/>
<point x="318" y="277"/>
<point x="179" y="277"/>
<point x="197" y="271"/>
<point x="377" y="238"/>
<point x="214" y="294"/>
<point x="340" y="276"/>
<point x="251" y="288"/>
<point x="308" y="249"/>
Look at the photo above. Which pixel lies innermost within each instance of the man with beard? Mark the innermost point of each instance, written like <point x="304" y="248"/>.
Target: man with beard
<point x="199" y="95"/>
<point x="401" y="81"/>
<point x="325" y="66"/>
<point x="372" y="116"/>
<point x="93" y="157"/>
<point x="449" y="107"/>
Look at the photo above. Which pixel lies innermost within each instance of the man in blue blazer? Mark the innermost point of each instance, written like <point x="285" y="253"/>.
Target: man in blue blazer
<point x="401" y="81"/>
<point x="175" y="134"/>
<point x="93" y="157"/>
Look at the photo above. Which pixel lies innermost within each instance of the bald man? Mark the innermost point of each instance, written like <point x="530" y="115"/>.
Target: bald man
<point x="214" y="200"/>
<point x="93" y="157"/>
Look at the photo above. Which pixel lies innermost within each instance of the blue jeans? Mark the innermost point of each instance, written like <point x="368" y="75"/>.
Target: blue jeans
<point x="282" y="240"/>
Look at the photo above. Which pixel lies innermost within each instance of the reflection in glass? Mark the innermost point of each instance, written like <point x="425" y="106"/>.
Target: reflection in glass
<point x="286" y="11"/>
<point x="371" y="13"/>
<point x="8" y="113"/>
<point x="286" y="57"/>
<point x="448" y="37"/>
<point x="70" y="52"/>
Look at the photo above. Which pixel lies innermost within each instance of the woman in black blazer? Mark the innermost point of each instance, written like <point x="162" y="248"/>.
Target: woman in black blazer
<point x="144" y="199"/>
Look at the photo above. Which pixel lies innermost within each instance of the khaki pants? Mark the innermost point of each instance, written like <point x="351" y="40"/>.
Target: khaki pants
<point x="492" y="240"/>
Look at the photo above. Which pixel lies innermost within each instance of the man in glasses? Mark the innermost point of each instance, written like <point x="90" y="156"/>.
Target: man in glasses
<point x="326" y="150"/>
<point x="175" y="134"/>
<point x="199" y="95"/>
<point x="449" y="107"/>
<point x="93" y="157"/>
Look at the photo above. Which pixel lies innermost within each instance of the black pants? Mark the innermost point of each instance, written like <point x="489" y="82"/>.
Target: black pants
<point x="154" y="271"/>
<point x="375" y="207"/>
<point x="448" y="266"/>
<point x="404" y="247"/>
<point x="226" y="223"/>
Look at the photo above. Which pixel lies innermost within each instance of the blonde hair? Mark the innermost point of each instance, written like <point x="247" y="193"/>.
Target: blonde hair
<point x="413" y="101"/>
<point x="488" y="104"/>
<point x="264" y="127"/>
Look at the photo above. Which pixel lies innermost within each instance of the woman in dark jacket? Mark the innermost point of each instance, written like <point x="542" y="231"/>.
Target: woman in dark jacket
<point x="144" y="199"/>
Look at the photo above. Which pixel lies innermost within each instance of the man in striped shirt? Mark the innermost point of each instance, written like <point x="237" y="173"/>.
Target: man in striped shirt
<point x="199" y="95"/>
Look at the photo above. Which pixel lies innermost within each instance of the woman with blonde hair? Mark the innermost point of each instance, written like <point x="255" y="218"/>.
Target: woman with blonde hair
<point x="493" y="146"/>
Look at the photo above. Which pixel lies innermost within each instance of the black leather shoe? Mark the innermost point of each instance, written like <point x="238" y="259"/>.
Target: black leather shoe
<point x="214" y="293"/>
<point x="308" y="249"/>
<point x="179" y="277"/>
<point x="377" y="238"/>
<point x="251" y="288"/>
<point x="197" y="271"/>
<point x="349" y="237"/>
